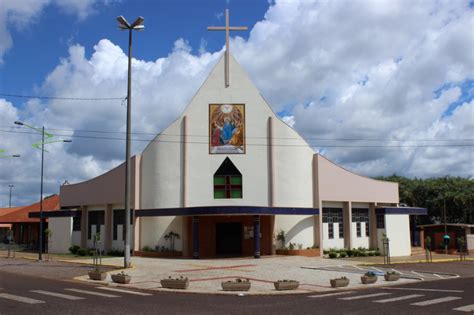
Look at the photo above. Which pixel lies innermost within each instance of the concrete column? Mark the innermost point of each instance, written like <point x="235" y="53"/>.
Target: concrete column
<point x="195" y="237"/>
<point x="372" y="226"/>
<point x="347" y="219"/>
<point x="184" y="236"/>
<point x="272" y="231"/>
<point x="108" y="228"/>
<point x="422" y="238"/>
<point x="84" y="226"/>
<point x="317" y="203"/>
<point x="256" y="236"/>
<point x="271" y="163"/>
<point x="184" y="162"/>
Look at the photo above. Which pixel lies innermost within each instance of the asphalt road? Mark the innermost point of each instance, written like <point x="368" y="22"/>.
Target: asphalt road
<point x="25" y="294"/>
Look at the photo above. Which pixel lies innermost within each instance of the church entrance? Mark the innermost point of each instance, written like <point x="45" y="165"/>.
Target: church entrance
<point x="229" y="239"/>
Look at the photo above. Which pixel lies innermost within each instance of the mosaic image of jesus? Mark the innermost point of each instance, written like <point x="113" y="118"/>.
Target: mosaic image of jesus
<point x="226" y="128"/>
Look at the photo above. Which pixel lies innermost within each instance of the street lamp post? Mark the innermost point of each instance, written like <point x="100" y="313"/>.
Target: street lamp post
<point x="36" y="145"/>
<point x="10" y="200"/>
<point x="137" y="26"/>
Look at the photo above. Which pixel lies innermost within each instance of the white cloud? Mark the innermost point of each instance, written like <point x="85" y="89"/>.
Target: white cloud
<point x="345" y="69"/>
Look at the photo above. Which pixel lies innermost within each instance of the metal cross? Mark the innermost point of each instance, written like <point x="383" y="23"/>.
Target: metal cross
<point x="227" y="28"/>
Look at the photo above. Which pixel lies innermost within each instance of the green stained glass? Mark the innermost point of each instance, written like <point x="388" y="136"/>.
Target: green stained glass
<point x="236" y="180"/>
<point x="236" y="194"/>
<point x="219" y="194"/>
<point x="219" y="180"/>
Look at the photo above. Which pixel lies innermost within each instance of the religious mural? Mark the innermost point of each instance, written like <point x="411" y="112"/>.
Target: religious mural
<point x="227" y="128"/>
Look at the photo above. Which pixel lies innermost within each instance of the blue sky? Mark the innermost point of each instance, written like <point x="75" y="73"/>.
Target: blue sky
<point x="377" y="86"/>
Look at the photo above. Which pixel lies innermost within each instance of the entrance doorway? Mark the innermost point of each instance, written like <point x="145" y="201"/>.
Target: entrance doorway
<point x="229" y="239"/>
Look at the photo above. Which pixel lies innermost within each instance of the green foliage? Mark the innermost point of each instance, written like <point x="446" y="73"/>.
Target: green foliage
<point x="82" y="252"/>
<point x="377" y="253"/>
<point x="147" y="249"/>
<point x="342" y="254"/>
<point x="432" y="193"/>
<point x="115" y="252"/>
<point x="73" y="249"/>
<point x="350" y="252"/>
<point x="291" y="246"/>
<point x="332" y="254"/>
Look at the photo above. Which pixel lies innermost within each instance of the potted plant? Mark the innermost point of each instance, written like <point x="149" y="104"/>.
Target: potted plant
<point x="391" y="276"/>
<point x="368" y="278"/>
<point x="339" y="282"/>
<point x="236" y="285"/>
<point x="97" y="274"/>
<point x="171" y="236"/>
<point x="121" y="277"/>
<point x="181" y="283"/>
<point x="286" y="285"/>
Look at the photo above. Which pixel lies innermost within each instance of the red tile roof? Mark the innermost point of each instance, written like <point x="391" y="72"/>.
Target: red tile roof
<point x="20" y="214"/>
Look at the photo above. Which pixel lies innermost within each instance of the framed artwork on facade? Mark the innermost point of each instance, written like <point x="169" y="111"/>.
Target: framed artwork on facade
<point x="227" y="129"/>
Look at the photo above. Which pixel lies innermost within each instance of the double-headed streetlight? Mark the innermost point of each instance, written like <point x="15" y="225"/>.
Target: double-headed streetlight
<point x="37" y="145"/>
<point x="135" y="26"/>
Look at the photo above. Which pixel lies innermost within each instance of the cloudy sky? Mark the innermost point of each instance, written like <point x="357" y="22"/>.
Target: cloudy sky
<point x="379" y="87"/>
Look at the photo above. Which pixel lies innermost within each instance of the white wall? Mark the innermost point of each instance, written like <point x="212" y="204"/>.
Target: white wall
<point x="118" y="244"/>
<point x="380" y="233"/>
<point x="154" y="230"/>
<point x="299" y="229"/>
<point x="61" y="237"/>
<point x="470" y="242"/>
<point x="397" y="227"/>
<point x="336" y="242"/>
<point x="76" y="238"/>
<point x="362" y="241"/>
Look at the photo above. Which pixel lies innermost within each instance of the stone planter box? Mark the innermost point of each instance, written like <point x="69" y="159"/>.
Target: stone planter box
<point x="236" y="286"/>
<point x="158" y="254"/>
<point x="368" y="279"/>
<point x="336" y="283"/>
<point x="299" y="252"/>
<point x="391" y="276"/>
<point x="180" y="284"/>
<point x="123" y="279"/>
<point x="286" y="285"/>
<point x="97" y="275"/>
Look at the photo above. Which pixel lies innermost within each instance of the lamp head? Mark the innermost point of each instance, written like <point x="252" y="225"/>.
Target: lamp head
<point x="123" y="23"/>
<point x="16" y="155"/>
<point x="18" y="123"/>
<point x="138" y="22"/>
<point x="68" y="141"/>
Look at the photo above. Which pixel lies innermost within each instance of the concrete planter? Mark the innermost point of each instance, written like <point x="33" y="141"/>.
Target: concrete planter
<point x="286" y="285"/>
<point x="340" y="282"/>
<point x="97" y="275"/>
<point x="299" y="252"/>
<point x="178" y="283"/>
<point x="391" y="276"/>
<point x="123" y="279"/>
<point x="237" y="285"/>
<point x="368" y="279"/>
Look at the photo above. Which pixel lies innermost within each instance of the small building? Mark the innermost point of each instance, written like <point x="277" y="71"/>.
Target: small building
<point x="25" y="228"/>
<point x="454" y="230"/>
<point x="227" y="176"/>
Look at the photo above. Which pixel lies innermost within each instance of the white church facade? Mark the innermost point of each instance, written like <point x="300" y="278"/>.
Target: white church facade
<point x="227" y="176"/>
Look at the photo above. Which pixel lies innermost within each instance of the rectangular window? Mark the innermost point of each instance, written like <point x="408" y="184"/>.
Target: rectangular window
<point x="359" y="233"/>
<point x="227" y="186"/>
<point x="380" y="221"/>
<point x="331" y="230"/>
<point x="76" y="223"/>
<point x="332" y="215"/>
<point x="96" y="218"/>
<point x="118" y="219"/>
<point x="341" y="230"/>
<point x="367" y="229"/>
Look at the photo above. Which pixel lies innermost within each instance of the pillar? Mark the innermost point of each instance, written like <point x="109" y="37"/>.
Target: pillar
<point x="372" y="226"/>
<point x="108" y="228"/>
<point x="256" y="236"/>
<point x="347" y="219"/>
<point x="422" y="238"/>
<point x="195" y="237"/>
<point x="83" y="227"/>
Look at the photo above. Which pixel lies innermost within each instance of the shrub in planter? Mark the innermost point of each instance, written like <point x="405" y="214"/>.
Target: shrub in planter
<point x="181" y="283"/>
<point x="122" y="278"/>
<point x="147" y="249"/>
<point x="73" y="249"/>
<point x="349" y="253"/>
<point x="325" y="252"/>
<point x="371" y="253"/>
<point x="377" y="253"/>
<point x="368" y="277"/>
<point x="82" y="251"/>
<point x="332" y="254"/>
<point x="391" y="276"/>
<point x="339" y="282"/>
<point x="97" y="274"/>
<point x="342" y="254"/>
<point x="236" y="285"/>
<point x="355" y="253"/>
<point x="286" y="285"/>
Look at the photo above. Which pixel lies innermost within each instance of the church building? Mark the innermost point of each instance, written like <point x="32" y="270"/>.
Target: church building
<point x="224" y="179"/>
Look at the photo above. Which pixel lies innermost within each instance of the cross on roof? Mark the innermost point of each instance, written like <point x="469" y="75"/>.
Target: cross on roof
<point x="227" y="28"/>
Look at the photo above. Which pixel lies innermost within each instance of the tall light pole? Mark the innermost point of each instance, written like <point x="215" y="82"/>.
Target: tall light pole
<point x="137" y="26"/>
<point x="10" y="202"/>
<point x="37" y="145"/>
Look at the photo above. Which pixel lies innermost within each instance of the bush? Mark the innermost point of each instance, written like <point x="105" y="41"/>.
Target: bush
<point x="326" y="251"/>
<point x="73" y="249"/>
<point x="349" y="253"/>
<point x="82" y="251"/>
<point x="332" y="254"/>
<point x="355" y="253"/>
<point x="115" y="252"/>
<point x="371" y="253"/>
<point x="377" y="253"/>
<point x="147" y="249"/>
<point x="342" y="254"/>
<point x="363" y="254"/>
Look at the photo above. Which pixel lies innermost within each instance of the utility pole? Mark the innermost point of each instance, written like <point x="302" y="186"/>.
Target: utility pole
<point x="445" y="227"/>
<point x="10" y="203"/>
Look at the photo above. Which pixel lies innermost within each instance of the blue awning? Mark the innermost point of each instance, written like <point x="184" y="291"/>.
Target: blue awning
<point x="402" y="210"/>
<point x="225" y="210"/>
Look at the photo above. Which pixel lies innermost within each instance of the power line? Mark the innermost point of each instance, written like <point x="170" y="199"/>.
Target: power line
<point x="64" y="98"/>
<point x="254" y="144"/>
<point x="249" y="137"/>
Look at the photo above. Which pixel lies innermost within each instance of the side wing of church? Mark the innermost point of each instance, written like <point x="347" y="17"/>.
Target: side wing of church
<point x="225" y="179"/>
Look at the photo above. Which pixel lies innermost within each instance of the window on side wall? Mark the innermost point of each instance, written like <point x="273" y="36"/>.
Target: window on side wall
<point x="359" y="233"/>
<point x="76" y="223"/>
<point x="367" y="229"/>
<point x="227" y="181"/>
<point x="331" y="230"/>
<point x="380" y="221"/>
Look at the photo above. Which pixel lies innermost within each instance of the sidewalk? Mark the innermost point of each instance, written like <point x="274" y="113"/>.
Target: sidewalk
<point x="206" y="275"/>
<point x="377" y="260"/>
